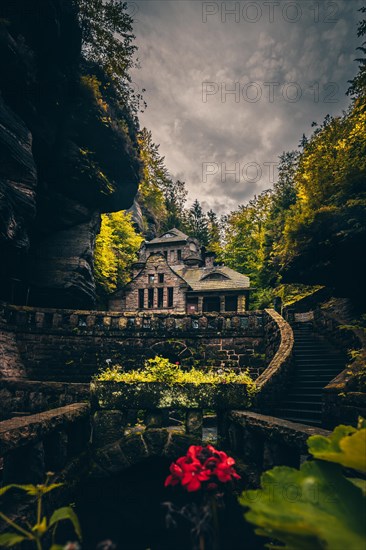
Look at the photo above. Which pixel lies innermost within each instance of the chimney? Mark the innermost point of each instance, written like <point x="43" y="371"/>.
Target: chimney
<point x="209" y="259"/>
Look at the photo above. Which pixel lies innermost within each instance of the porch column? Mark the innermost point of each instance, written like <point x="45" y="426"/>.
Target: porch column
<point x="200" y="304"/>
<point x="222" y="304"/>
<point x="241" y="303"/>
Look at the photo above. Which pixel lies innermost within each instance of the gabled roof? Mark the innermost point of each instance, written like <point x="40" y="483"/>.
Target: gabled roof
<point x="198" y="278"/>
<point x="172" y="236"/>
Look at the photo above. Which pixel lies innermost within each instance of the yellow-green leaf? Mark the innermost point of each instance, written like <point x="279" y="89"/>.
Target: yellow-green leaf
<point x="10" y="539"/>
<point x="345" y="446"/>
<point x="66" y="513"/>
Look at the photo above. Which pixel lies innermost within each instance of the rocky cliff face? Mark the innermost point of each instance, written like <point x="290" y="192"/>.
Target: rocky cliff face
<point x="66" y="155"/>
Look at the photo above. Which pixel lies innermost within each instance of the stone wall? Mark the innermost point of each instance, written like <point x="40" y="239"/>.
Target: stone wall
<point x="66" y="345"/>
<point x="274" y="379"/>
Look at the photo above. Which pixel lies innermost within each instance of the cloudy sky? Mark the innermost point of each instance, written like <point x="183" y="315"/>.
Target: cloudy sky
<point x="228" y="92"/>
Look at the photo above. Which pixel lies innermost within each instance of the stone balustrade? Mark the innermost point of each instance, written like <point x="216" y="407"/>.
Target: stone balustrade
<point x="25" y="397"/>
<point x="70" y="346"/>
<point x="85" y="321"/>
<point x="32" y="445"/>
<point x="265" y="441"/>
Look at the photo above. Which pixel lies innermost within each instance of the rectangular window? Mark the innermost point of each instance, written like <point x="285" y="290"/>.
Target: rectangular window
<point x="160" y="297"/>
<point x="151" y="279"/>
<point x="161" y="277"/>
<point x="166" y="254"/>
<point x="150" y="301"/>
<point x="170" y="296"/>
<point x="141" y="298"/>
<point x="179" y="252"/>
<point x="231" y="303"/>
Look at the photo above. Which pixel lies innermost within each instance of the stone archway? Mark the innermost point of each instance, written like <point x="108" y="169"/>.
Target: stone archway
<point x="174" y="350"/>
<point x="137" y="447"/>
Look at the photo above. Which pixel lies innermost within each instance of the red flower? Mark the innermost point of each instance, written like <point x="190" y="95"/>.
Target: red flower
<point x="224" y="469"/>
<point x="199" y="465"/>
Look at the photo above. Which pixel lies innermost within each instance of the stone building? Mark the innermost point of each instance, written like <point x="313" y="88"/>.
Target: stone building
<point x="174" y="274"/>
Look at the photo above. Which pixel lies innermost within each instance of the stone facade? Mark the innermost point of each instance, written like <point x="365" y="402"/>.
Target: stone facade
<point x="156" y="292"/>
<point x="175" y="275"/>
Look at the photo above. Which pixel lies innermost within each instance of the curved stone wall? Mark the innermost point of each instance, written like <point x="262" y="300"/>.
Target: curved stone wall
<point x="280" y="341"/>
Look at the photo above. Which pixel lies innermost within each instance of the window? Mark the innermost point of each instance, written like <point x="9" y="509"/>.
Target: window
<point x="150" y="301"/>
<point x="161" y="278"/>
<point x="179" y="253"/>
<point x="160" y="297"/>
<point x="170" y="296"/>
<point x="151" y="279"/>
<point x="141" y="298"/>
<point x="166" y="254"/>
<point x="231" y="303"/>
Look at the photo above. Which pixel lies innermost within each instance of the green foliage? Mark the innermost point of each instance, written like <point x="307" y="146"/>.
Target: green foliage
<point x="115" y="251"/>
<point x="175" y="195"/>
<point x="245" y="234"/>
<point x="108" y="38"/>
<point x="160" y="369"/>
<point x="358" y="84"/>
<point x="293" y="293"/>
<point x="346" y="446"/>
<point x="35" y="534"/>
<point x="315" y="507"/>
<point x="197" y="223"/>
<point x="155" y="177"/>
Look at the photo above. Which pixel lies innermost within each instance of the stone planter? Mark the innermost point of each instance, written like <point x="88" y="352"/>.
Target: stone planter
<point x="112" y="400"/>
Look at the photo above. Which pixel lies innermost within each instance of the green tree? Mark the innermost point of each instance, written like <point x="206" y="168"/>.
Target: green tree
<point x="108" y="41"/>
<point x="214" y="234"/>
<point x="175" y="195"/>
<point x="155" y="177"/>
<point x="197" y="223"/>
<point x="358" y="84"/>
<point x="115" y="251"/>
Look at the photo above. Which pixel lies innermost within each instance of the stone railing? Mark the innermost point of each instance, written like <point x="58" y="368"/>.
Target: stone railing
<point x="265" y="441"/>
<point x="33" y="445"/>
<point x="83" y="321"/>
<point x="70" y="346"/>
<point x="23" y="397"/>
<point x="280" y="341"/>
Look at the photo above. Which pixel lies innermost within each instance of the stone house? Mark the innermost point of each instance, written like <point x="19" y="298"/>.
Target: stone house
<point x="174" y="274"/>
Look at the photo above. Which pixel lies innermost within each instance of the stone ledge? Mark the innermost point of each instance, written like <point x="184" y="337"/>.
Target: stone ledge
<point x="19" y="432"/>
<point x="291" y="433"/>
<point x="29" y="396"/>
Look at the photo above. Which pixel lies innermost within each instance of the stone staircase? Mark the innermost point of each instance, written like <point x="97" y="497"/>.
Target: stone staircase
<point x="316" y="363"/>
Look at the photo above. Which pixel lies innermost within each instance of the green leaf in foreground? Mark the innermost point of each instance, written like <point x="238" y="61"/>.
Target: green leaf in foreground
<point x="346" y="445"/>
<point x="314" y="508"/>
<point x="66" y="513"/>
<point x="10" y="539"/>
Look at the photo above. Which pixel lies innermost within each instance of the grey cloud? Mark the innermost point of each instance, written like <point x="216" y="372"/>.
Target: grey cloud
<point x="178" y="52"/>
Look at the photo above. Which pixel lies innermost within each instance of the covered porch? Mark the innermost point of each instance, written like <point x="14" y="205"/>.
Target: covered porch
<point x="217" y="302"/>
